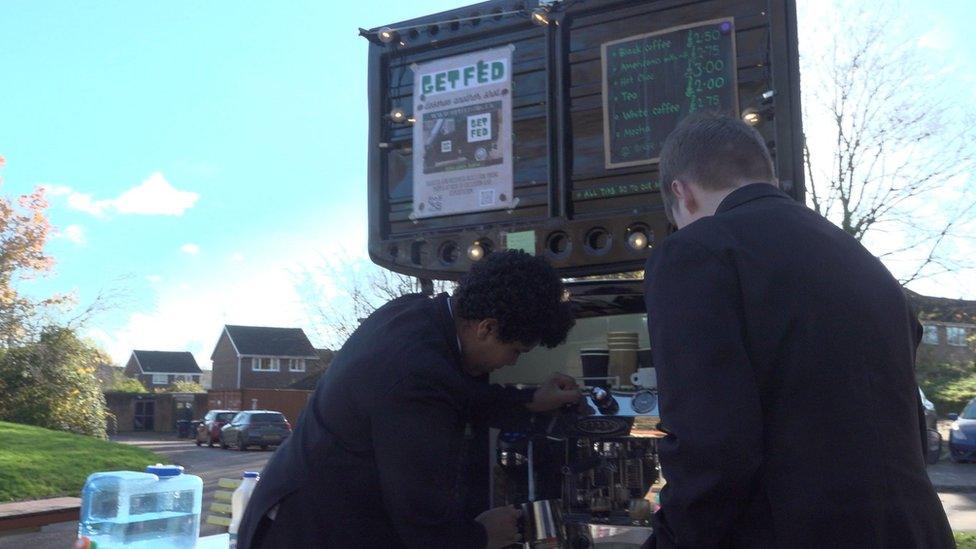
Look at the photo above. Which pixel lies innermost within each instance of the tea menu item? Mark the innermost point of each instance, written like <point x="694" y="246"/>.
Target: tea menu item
<point x="652" y="81"/>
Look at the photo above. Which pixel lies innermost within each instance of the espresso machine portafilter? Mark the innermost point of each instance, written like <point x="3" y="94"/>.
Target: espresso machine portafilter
<point x="582" y="470"/>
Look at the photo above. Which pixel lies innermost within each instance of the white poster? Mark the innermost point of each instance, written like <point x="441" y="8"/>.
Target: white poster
<point x="462" y="134"/>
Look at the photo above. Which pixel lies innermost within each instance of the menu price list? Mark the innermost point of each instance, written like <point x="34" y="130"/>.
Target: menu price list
<point x="654" y="80"/>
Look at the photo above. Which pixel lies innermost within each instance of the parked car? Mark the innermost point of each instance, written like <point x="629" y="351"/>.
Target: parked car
<point x="930" y="415"/>
<point x="255" y="428"/>
<point x="209" y="429"/>
<point x="962" y="434"/>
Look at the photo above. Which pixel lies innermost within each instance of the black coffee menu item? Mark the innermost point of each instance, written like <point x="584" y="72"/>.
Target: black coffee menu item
<point x="652" y="81"/>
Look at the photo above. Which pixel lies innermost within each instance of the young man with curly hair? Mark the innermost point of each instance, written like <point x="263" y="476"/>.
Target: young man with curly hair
<point x="375" y="459"/>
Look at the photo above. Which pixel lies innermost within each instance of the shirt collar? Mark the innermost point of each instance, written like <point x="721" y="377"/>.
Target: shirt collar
<point x="450" y="312"/>
<point x="748" y="193"/>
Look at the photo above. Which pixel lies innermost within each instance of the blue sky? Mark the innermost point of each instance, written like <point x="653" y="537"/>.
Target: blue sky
<point x="199" y="155"/>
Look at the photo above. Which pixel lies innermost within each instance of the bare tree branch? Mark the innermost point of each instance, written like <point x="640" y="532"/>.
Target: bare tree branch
<point x="884" y="142"/>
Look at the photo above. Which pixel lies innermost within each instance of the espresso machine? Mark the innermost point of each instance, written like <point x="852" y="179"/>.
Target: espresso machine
<point x="586" y="469"/>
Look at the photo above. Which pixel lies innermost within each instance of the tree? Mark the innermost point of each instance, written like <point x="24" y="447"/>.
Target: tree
<point x="888" y="147"/>
<point x="47" y="373"/>
<point x="24" y="230"/>
<point x="340" y="294"/>
<point x="183" y="386"/>
<point x="51" y="383"/>
<point x="122" y="383"/>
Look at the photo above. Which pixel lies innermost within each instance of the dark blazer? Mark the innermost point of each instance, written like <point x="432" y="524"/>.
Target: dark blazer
<point x="785" y="358"/>
<point x="375" y="458"/>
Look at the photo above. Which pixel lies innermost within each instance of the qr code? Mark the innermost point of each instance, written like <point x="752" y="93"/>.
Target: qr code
<point x="486" y="197"/>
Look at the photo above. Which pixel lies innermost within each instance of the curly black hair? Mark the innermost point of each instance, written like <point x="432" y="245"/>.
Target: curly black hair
<point x="522" y="292"/>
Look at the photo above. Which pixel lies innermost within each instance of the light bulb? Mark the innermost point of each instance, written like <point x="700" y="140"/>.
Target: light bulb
<point x="386" y="35"/>
<point x="398" y="115"/>
<point x="637" y="240"/>
<point x="476" y="252"/>
<point x="751" y="117"/>
<point x="540" y="16"/>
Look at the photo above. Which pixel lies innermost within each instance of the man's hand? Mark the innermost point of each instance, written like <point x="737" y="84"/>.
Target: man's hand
<point x="501" y="525"/>
<point x="559" y="390"/>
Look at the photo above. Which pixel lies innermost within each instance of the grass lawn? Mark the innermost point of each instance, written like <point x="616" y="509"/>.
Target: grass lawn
<point x="39" y="463"/>
<point x="965" y="540"/>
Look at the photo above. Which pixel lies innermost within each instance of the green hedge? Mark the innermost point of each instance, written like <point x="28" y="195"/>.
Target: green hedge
<point x="949" y="386"/>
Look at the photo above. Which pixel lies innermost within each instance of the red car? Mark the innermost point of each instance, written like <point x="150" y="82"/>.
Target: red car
<point x="209" y="429"/>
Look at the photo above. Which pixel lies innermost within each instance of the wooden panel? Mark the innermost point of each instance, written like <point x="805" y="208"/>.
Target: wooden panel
<point x="218" y="520"/>
<point x="229" y="483"/>
<point x="591" y="29"/>
<point x="222" y="508"/>
<point x="560" y="176"/>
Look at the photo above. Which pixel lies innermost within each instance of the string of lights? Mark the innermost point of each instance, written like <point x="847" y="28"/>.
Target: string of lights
<point x="539" y="15"/>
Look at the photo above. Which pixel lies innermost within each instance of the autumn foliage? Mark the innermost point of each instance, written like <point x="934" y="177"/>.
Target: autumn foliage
<point x="47" y="373"/>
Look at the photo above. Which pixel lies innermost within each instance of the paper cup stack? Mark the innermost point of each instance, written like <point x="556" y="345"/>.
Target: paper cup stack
<point x="594" y="362"/>
<point x="623" y="355"/>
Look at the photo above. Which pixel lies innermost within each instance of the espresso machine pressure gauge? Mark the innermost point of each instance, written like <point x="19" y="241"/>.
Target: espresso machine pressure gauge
<point x="644" y="401"/>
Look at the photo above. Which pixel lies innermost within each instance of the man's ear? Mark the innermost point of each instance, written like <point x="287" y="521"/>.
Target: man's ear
<point x="487" y="327"/>
<point x="684" y="193"/>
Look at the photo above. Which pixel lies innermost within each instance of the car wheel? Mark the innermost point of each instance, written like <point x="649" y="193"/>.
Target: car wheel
<point x="198" y="442"/>
<point x="210" y="442"/>
<point x="241" y="444"/>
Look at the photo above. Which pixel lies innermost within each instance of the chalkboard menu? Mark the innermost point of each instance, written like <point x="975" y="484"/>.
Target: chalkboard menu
<point x="652" y="81"/>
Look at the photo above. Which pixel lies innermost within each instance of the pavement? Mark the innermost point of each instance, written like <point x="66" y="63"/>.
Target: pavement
<point x="955" y="483"/>
<point x="210" y="464"/>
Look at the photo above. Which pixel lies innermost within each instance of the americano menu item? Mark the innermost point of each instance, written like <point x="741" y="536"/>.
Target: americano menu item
<point x="652" y="81"/>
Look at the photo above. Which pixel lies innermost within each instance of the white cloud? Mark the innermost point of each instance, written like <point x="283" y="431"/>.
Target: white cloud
<point x="188" y="317"/>
<point x="191" y="308"/>
<point x="155" y="279"/>
<point x="936" y="38"/>
<point x="154" y="196"/>
<point x="190" y="248"/>
<point x="238" y="257"/>
<point x="74" y="233"/>
<point x="56" y="190"/>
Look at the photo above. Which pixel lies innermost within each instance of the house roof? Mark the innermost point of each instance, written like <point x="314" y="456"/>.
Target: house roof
<point x="941" y="309"/>
<point x="308" y="382"/>
<point x="170" y="362"/>
<point x="325" y="355"/>
<point x="262" y="340"/>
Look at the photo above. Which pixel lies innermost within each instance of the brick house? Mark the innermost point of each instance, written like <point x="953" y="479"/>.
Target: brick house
<point x="259" y="357"/>
<point x="948" y="329"/>
<point x="309" y="382"/>
<point x="160" y="369"/>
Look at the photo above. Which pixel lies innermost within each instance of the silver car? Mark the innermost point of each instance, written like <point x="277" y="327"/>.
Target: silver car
<point x="255" y="428"/>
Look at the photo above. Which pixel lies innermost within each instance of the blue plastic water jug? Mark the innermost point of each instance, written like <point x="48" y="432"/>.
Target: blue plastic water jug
<point x="156" y="509"/>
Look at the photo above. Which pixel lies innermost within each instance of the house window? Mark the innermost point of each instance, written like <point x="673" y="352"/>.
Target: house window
<point x="930" y="334"/>
<point x="160" y="379"/>
<point x="296" y="364"/>
<point x="956" y="336"/>
<point x="264" y="364"/>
